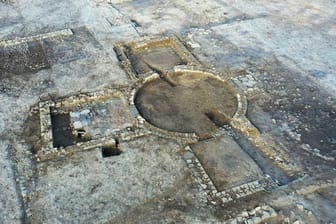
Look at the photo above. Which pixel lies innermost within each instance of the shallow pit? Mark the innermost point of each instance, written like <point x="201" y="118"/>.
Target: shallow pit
<point x="165" y="53"/>
<point x="187" y="102"/>
<point x="164" y="57"/>
<point x="110" y="150"/>
<point x="61" y="130"/>
<point x="226" y="163"/>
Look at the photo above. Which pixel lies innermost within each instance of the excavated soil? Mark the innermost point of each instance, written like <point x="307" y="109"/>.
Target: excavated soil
<point x="187" y="102"/>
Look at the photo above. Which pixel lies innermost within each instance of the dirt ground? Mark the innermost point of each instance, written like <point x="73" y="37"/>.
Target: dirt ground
<point x="185" y="106"/>
<point x="175" y="156"/>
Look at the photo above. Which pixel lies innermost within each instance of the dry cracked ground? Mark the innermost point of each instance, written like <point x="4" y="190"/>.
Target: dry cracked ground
<point x="277" y="164"/>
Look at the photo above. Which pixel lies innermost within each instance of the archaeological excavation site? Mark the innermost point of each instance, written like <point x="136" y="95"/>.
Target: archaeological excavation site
<point x="144" y="111"/>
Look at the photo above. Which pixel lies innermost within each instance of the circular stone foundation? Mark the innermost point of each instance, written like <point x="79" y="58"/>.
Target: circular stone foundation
<point x="189" y="102"/>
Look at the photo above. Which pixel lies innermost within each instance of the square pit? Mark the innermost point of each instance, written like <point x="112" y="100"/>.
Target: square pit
<point x="226" y="163"/>
<point x="162" y="53"/>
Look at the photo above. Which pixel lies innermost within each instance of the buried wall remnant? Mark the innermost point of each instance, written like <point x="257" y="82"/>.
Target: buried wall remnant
<point x="27" y="54"/>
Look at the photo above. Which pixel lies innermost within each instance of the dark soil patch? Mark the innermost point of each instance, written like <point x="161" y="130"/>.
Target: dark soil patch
<point x="61" y="130"/>
<point x="165" y="57"/>
<point x="22" y="58"/>
<point x="186" y="105"/>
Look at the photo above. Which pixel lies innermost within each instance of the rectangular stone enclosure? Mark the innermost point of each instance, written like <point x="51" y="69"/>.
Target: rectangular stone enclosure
<point x="165" y="53"/>
<point x="226" y="163"/>
<point x="84" y="121"/>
